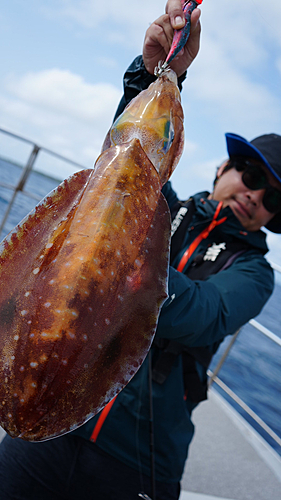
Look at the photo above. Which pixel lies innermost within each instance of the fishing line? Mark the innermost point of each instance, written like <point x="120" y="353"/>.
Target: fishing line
<point x="143" y="380"/>
<point x="151" y="428"/>
<point x="259" y="11"/>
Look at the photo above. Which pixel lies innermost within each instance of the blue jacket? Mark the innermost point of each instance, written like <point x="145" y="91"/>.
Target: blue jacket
<point x="196" y="313"/>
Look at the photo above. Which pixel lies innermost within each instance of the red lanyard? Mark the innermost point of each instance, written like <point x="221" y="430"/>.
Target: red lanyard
<point x="101" y="420"/>
<point x="202" y="236"/>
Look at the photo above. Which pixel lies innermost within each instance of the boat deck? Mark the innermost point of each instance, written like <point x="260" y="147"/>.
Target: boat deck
<point x="228" y="460"/>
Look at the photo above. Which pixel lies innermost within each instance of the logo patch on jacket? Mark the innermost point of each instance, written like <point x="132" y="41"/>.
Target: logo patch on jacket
<point x="178" y="219"/>
<point x="214" y="251"/>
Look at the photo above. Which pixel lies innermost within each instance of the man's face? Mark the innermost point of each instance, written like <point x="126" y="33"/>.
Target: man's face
<point x="245" y="203"/>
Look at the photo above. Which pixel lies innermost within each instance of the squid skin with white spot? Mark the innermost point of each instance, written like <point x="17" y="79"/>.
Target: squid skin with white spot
<point x="84" y="275"/>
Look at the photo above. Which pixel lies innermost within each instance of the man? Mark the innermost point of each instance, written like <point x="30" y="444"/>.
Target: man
<point x="109" y="458"/>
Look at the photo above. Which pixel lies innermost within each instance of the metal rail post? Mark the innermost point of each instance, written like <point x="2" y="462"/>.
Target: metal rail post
<point x="213" y="374"/>
<point x="20" y="185"/>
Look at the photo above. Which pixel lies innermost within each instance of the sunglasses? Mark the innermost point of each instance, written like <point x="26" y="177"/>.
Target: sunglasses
<point x="254" y="178"/>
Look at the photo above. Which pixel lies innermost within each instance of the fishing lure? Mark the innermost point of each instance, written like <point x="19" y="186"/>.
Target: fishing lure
<point x="180" y="36"/>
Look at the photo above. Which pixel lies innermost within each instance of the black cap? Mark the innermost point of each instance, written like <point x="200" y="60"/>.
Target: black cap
<point x="266" y="148"/>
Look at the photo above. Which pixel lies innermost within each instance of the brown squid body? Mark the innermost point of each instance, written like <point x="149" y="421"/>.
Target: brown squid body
<point x="83" y="277"/>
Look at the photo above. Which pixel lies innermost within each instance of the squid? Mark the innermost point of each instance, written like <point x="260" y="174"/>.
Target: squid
<point x="84" y="275"/>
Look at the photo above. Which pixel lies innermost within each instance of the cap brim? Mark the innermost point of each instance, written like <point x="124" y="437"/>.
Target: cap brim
<point x="237" y="145"/>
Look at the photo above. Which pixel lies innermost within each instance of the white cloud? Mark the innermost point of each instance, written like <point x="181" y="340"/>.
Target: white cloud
<point x="65" y="93"/>
<point x="123" y="22"/>
<point x="234" y="94"/>
<point x="59" y="110"/>
<point x="240" y="29"/>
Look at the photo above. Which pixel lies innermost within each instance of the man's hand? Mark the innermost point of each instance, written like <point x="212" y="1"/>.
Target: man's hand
<point x="159" y="36"/>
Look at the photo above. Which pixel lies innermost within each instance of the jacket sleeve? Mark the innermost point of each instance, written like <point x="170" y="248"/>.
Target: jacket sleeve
<point x="135" y="80"/>
<point x="199" y="313"/>
<point x="169" y="194"/>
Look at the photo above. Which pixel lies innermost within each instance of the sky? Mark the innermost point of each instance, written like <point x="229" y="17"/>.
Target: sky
<point x="62" y="63"/>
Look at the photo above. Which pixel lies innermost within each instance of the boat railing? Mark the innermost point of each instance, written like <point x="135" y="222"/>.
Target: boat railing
<point x="19" y="187"/>
<point x="213" y="375"/>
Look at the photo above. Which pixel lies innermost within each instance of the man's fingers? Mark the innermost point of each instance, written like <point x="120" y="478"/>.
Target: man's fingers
<point x="168" y="31"/>
<point x="195" y="16"/>
<point x="162" y="32"/>
<point x="175" y="12"/>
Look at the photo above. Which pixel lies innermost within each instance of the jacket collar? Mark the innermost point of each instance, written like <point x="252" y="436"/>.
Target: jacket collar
<point x="232" y="227"/>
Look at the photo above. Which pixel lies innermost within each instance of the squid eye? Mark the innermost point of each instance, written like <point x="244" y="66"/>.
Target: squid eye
<point x="168" y="136"/>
